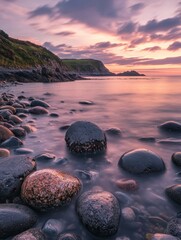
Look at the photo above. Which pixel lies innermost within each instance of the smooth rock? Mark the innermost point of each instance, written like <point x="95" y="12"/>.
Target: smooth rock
<point x="31" y="234"/>
<point x="17" y="105"/>
<point x="12" y="142"/>
<point x="11" y="108"/>
<point x="18" y="132"/>
<point x="127" y="184"/>
<point x="21" y="110"/>
<point x="99" y="211"/>
<point x="38" y="110"/>
<point x="86" y="102"/>
<point x="124" y="198"/>
<point x="40" y="103"/>
<point x="45" y="157"/>
<point x="176" y="158"/>
<point x="174" y="193"/>
<point x="13" y="170"/>
<point x="171" y="126"/>
<point x="22" y="115"/>
<point x="141" y="161"/>
<point x="14" y="219"/>
<point x="4" y="152"/>
<point x="115" y="132"/>
<point x="5" y="113"/>
<point x="23" y="151"/>
<point x="65" y="127"/>
<point x="5" y="133"/>
<point x="49" y="188"/>
<point x="174" y="227"/>
<point x="15" y="119"/>
<point x="85" y="137"/>
<point x="52" y="228"/>
<point x="161" y="236"/>
<point x="68" y="236"/>
<point x="54" y="115"/>
<point x="128" y="214"/>
<point x="28" y="128"/>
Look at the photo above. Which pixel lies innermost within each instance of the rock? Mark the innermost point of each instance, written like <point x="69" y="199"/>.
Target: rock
<point x="123" y="198"/>
<point x="38" y="110"/>
<point x="28" y="128"/>
<point x="5" y="133"/>
<point x="12" y="142"/>
<point x="85" y="137"/>
<point x="31" y="234"/>
<point x="147" y="139"/>
<point x="54" y="115"/>
<point x="40" y="103"/>
<point x="15" y="119"/>
<point x="13" y="170"/>
<point x="21" y="110"/>
<point x="14" y="219"/>
<point x="174" y="227"/>
<point x="127" y="184"/>
<point x="4" y="152"/>
<point x="174" y="193"/>
<point x="99" y="212"/>
<point x="86" y="175"/>
<point x="86" y="102"/>
<point x="160" y="236"/>
<point x="176" y="158"/>
<point x="18" y="131"/>
<point x="17" y="105"/>
<point x="141" y="161"/>
<point x="11" y="108"/>
<point x="114" y="132"/>
<point x="22" y="115"/>
<point x="68" y="236"/>
<point x="45" y="157"/>
<point x="171" y="126"/>
<point x="128" y="214"/>
<point x="23" y="151"/>
<point x="5" y="113"/>
<point x="52" y="228"/>
<point x="49" y="188"/>
<point x="65" y="127"/>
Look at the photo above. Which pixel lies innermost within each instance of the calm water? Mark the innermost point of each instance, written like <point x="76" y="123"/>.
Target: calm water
<point x="136" y="106"/>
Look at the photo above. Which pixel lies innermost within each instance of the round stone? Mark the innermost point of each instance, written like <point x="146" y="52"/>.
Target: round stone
<point x="127" y="184"/>
<point x="38" y="110"/>
<point x="4" y="152"/>
<point x="85" y="137"/>
<point x="115" y="132"/>
<point x="18" y="131"/>
<point x="171" y="126"/>
<point x="12" y="142"/>
<point x="5" y="133"/>
<point x="99" y="211"/>
<point x="141" y="161"/>
<point x="49" y="188"/>
<point x="40" y="103"/>
<point x="31" y="234"/>
<point x="53" y="227"/>
<point x="23" y="151"/>
<point x="15" y="119"/>
<point x="68" y="236"/>
<point x="176" y="158"/>
<point x="174" y="193"/>
<point x="11" y="108"/>
<point x="14" y="219"/>
<point x="45" y="157"/>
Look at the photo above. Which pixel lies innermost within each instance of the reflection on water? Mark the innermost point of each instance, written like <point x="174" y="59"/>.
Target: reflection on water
<point x="136" y="106"/>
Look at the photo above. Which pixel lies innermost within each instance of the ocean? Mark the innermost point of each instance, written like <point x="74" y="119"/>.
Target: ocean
<point x="135" y="105"/>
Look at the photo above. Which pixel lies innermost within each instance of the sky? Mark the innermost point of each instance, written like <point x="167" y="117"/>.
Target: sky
<point x="125" y="34"/>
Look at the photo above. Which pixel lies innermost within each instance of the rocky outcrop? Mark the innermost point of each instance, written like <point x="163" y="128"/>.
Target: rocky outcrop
<point x="130" y="73"/>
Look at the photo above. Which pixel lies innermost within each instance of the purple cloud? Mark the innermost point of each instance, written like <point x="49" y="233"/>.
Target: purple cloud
<point x="137" y="7"/>
<point x="65" y="33"/>
<point x="104" y="45"/>
<point x="40" y="11"/>
<point x="174" y="46"/>
<point x="152" y="49"/>
<point x="127" y="28"/>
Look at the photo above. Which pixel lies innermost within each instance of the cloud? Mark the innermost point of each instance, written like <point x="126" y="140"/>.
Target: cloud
<point x="65" y="33"/>
<point x="127" y="28"/>
<point x="103" y="45"/>
<point x="163" y="25"/>
<point x="174" y="46"/>
<point x="152" y="49"/>
<point x="41" y="11"/>
<point x="164" y="61"/>
<point x="137" y="7"/>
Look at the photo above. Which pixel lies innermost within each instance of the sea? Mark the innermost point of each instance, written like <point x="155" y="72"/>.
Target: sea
<point x="136" y="106"/>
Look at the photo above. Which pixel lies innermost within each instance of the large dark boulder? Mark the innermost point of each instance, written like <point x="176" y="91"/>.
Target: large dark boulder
<point x="13" y="170"/>
<point x="141" y="161"/>
<point x="174" y="193"/>
<point x="99" y="211"/>
<point x="14" y="219"/>
<point x="85" y="137"/>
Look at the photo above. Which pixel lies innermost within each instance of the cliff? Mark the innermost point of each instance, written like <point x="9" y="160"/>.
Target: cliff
<point x="87" y="67"/>
<point x="130" y="73"/>
<point x="25" y="61"/>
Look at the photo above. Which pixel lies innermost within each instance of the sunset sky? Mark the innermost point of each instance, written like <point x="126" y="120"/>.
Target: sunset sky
<point x="124" y="34"/>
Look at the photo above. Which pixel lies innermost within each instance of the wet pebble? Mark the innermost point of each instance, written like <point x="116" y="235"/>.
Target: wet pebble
<point x="99" y="212"/>
<point x="45" y="157"/>
<point x="141" y="161"/>
<point x="15" y="119"/>
<point x="21" y="110"/>
<point x="53" y="227"/>
<point x="28" y="128"/>
<point x="86" y="102"/>
<point x="161" y="236"/>
<point x="86" y="175"/>
<point x="37" y="102"/>
<point x="5" y="113"/>
<point x="14" y="219"/>
<point x="127" y="184"/>
<point x="115" y="132"/>
<point x="8" y="107"/>
<point x="54" y="115"/>
<point x="4" y="152"/>
<point x="128" y="215"/>
<point x="147" y="139"/>
<point x="49" y="188"/>
<point x="5" y="133"/>
<point x="12" y="142"/>
<point x="176" y="158"/>
<point x="174" y="193"/>
<point x="68" y="236"/>
<point x="171" y="126"/>
<point x="85" y="137"/>
<point x="64" y="128"/>
<point x="22" y="115"/>
<point x="123" y="198"/>
<point x="23" y="151"/>
<point x="18" y="132"/>
<point x="31" y="234"/>
<point x="38" y="110"/>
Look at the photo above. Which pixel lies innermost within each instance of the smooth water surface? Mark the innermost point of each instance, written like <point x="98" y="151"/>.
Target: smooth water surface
<point x="136" y="106"/>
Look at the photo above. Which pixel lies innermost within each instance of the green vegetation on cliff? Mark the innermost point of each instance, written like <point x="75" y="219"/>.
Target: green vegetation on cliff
<point x="24" y="54"/>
